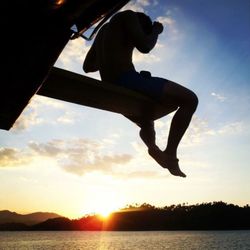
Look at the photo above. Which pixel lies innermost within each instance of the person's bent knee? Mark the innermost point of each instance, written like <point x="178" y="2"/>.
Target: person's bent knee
<point x="188" y="99"/>
<point x="193" y="101"/>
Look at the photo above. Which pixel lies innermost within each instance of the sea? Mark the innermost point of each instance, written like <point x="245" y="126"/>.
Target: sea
<point x="146" y="240"/>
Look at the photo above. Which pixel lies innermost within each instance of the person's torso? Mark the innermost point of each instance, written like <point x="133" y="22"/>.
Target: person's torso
<point x="114" y="50"/>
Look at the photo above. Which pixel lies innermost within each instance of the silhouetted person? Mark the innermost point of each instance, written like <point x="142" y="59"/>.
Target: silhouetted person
<point x="111" y="54"/>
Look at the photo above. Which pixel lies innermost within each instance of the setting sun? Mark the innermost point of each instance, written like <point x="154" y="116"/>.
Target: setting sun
<point x="106" y="207"/>
<point x="105" y="212"/>
<point x="104" y="201"/>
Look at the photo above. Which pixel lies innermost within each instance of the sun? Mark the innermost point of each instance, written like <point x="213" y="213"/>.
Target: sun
<point x="105" y="212"/>
<point x="104" y="201"/>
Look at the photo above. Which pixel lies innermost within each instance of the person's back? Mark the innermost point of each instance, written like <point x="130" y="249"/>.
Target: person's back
<point x="113" y="47"/>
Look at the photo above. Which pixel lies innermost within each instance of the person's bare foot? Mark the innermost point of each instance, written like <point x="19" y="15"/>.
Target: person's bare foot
<point x="172" y="164"/>
<point x="166" y="161"/>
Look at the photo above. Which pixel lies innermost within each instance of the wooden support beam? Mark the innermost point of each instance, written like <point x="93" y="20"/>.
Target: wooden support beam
<point x="75" y="88"/>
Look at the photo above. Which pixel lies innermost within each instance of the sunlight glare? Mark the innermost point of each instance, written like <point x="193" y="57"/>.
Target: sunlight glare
<point x="104" y="201"/>
<point x="105" y="213"/>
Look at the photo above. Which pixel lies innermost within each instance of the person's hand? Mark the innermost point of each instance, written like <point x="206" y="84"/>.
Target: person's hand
<point x="158" y="27"/>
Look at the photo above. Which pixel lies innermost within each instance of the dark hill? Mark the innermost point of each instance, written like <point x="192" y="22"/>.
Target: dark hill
<point x="28" y="219"/>
<point x="61" y="223"/>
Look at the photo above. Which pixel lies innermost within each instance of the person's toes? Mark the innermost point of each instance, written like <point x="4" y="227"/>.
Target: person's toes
<point x="166" y="161"/>
<point x="173" y="166"/>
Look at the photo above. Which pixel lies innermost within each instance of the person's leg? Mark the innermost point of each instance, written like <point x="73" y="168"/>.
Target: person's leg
<point x="147" y="134"/>
<point x="187" y="102"/>
<point x="170" y="94"/>
<point x="147" y="131"/>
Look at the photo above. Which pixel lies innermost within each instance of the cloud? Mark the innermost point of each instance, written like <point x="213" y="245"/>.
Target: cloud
<point x="73" y="55"/>
<point x="218" y="97"/>
<point x="84" y="156"/>
<point x="67" y="118"/>
<point x="103" y="164"/>
<point x="166" y="20"/>
<point x="198" y="131"/>
<point x="40" y="101"/>
<point x="39" y="111"/>
<point x="81" y="156"/>
<point x="50" y="149"/>
<point x="234" y="128"/>
<point x="12" y="157"/>
<point x="30" y="116"/>
<point x="138" y="5"/>
<point x="171" y="27"/>
<point x="78" y="156"/>
<point x="145" y="58"/>
<point x="27" y="119"/>
<point x="143" y="2"/>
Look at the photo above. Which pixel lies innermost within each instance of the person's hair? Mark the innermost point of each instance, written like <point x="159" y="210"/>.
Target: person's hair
<point x="145" y="22"/>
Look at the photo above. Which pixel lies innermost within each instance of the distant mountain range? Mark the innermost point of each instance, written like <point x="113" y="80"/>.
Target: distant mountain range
<point x="205" y="216"/>
<point x="7" y="216"/>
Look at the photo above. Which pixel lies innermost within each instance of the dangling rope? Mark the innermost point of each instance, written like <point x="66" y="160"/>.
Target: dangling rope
<point x="104" y="18"/>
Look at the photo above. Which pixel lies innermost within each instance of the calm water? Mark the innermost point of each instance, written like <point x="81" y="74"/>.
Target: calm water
<point x="125" y="240"/>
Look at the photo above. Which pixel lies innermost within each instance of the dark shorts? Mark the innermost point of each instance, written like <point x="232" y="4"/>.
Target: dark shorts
<point x="143" y="82"/>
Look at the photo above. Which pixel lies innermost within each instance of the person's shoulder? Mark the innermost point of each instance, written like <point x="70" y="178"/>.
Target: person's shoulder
<point x="126" y="14"/>
<point x="103" y="28"/>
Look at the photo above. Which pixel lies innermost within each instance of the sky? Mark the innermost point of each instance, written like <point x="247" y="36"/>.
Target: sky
<point x="75" y="160"/>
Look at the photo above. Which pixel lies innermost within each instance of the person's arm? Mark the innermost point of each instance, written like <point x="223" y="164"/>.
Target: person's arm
<point x="90" y="63"/>
<point x="143" y="42"/>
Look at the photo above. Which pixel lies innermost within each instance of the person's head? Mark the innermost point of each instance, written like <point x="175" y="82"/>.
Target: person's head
<point x="145" y="22"/>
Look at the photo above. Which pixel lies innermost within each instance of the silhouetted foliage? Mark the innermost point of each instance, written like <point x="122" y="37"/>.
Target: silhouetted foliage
<point x="205" y="216"/>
